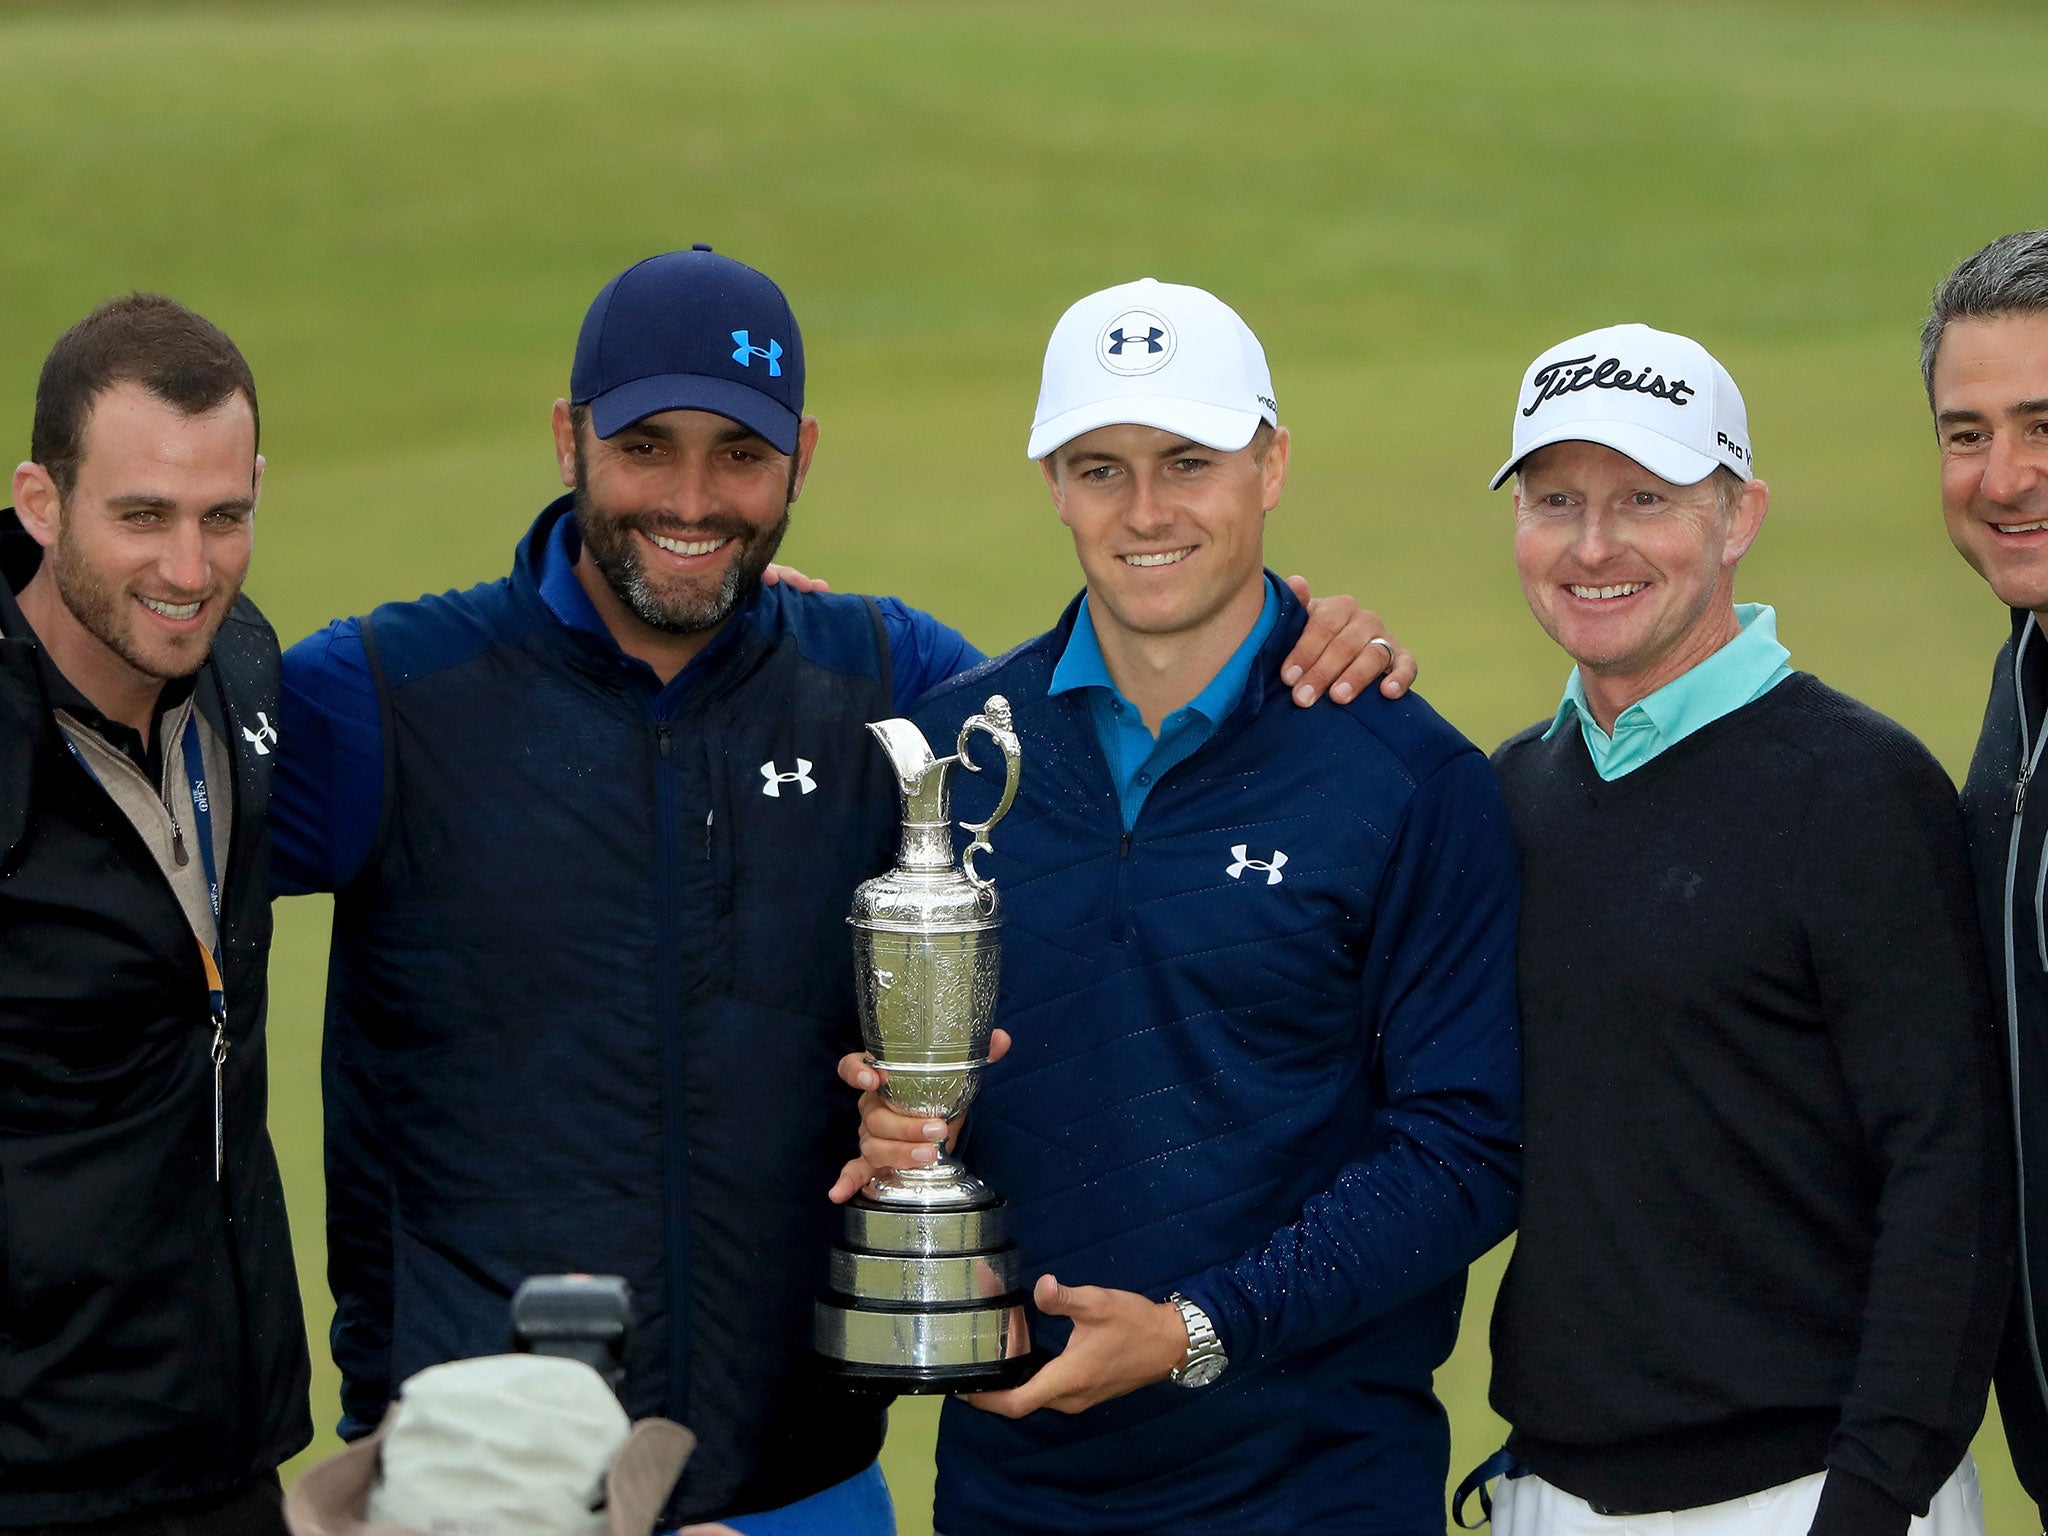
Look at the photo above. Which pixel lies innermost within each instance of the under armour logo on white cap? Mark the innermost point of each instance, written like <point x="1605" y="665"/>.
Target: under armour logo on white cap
<point x="1153" y="354"/>
<point x="1136" y="341"/>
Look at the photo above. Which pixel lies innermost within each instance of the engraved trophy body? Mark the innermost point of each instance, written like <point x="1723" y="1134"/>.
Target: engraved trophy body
<point x="923" y="1289"/>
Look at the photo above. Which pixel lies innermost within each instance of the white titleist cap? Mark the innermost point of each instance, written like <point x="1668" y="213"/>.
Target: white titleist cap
<point x="1154" y="355"/>
<point x="1659" y="398"/>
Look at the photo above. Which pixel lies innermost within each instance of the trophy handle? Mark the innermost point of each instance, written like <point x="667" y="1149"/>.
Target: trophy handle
<point x="993" y="722"/>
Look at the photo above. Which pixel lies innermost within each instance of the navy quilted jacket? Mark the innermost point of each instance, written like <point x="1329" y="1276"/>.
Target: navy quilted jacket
<point x="585" y="1002"/>
<point x="1286" y="1086"/>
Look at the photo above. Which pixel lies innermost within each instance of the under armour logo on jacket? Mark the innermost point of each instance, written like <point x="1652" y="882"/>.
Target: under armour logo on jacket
<point x="1272" y="867"/>
<point x="264" y="737"/>
<point x="745" y="353"/>
<point x="801" y="778"/>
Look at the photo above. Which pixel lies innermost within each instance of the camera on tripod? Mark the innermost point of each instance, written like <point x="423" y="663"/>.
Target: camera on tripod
<point x="579" y="1317"/>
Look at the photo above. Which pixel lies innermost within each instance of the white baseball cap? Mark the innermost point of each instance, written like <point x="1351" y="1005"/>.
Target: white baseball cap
<point x="503" y="1445"/>
<point x="1153" y="354"/>
<point x="1659" y="398"/>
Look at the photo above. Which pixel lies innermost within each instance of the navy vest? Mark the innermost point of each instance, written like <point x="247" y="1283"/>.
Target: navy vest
<point x="586" y="1001"/>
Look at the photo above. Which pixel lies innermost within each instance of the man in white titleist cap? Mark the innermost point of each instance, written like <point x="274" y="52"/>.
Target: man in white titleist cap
<point x="1259" y="1114"/>
<point x="1764" y="1237"/>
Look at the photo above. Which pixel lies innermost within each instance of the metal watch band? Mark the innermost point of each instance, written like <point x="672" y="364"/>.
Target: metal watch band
<point x="1205" y="1358"/>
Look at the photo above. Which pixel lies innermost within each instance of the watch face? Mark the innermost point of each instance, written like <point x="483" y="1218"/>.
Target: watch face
<point x="1199" y="1373"/>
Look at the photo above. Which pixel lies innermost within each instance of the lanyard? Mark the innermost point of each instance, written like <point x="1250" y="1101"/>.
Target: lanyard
<point x="209" y="956"/>
<point x="216" y="988"/>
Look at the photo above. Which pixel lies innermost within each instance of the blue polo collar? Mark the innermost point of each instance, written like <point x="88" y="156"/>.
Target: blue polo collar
<point x="1081" y="664"/>
<point x="1137" y="760"/>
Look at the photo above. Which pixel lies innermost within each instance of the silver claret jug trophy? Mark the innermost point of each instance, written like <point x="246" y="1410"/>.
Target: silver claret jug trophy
<point x="923" y="1292"/>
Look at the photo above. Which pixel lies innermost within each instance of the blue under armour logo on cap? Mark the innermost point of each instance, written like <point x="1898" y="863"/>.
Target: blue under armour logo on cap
<point x="1118" y="340"/>
<point x="744" y="355"/>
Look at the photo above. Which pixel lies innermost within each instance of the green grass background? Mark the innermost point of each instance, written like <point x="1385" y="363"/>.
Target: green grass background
<point x="401" y="214"/>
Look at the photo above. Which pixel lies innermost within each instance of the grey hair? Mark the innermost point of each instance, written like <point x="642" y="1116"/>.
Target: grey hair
<point x="2008" y="277"/>
<point x="1728" y="489"/>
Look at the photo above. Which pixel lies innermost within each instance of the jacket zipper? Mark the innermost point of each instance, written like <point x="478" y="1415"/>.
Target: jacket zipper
<point x="668" y="986"/>
<point x="179" y="856"/>
<point x="2030" y="752"/>
<point x="1119" y="922"/>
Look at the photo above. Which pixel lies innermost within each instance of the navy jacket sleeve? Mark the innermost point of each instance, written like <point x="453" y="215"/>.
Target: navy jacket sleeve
<point x="923" y="652"/>
<point x="328" y="789"/>
<point x="1439" y="1187"/>
<point x="325" y="803"/>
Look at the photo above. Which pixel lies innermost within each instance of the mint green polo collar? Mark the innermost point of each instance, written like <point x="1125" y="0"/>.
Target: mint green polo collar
<point x="1746" y="668"/>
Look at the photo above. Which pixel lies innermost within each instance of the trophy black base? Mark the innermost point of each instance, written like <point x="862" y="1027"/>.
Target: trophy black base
<point x="925" y="1300"/>
<point x="934" y="1380"/>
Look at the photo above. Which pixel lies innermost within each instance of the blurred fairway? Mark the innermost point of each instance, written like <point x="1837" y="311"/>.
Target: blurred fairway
<point x="401" y="215"/>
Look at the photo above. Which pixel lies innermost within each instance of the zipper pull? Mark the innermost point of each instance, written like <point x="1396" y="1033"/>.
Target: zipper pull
<point x="707" y="834"/>
<point x="663" y="735"/>
<point x="220" y="1059"/>
<point x="2019" y="793"/>
<point x="179" y="856"/>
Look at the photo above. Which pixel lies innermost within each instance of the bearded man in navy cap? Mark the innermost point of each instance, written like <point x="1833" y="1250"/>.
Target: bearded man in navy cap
<point x="593" y="831"/>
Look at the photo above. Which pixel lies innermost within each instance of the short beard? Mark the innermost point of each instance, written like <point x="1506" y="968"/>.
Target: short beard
<point x="608" y="540"/>
<point x="101" y="608"/>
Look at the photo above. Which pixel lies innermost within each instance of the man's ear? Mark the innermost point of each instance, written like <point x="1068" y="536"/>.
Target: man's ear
<point x="1054" y="485"/>
<point x="565" y="442"/>
<point x="1747" y="522"/>
<point x="36" y="502"/>
<point x="806" y="445"/>
<point x="1273" y="474"/>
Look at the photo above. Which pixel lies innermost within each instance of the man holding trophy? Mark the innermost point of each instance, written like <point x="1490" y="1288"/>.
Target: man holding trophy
<point x="593" y="828"/>
<point x="1261" y="1110"/>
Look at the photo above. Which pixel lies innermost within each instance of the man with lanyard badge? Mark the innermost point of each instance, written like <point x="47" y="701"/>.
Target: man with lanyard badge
<point x="152" y="1353"/>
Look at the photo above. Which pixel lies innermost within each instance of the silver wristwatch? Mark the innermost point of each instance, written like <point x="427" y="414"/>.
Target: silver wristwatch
<point x="1205" y="1359"/>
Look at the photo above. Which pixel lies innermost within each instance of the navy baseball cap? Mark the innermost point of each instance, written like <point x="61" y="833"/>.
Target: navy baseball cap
<point x="691" y="330"/>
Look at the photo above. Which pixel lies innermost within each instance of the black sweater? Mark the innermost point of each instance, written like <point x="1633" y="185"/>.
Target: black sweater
<point x="1766" y="1192"/>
